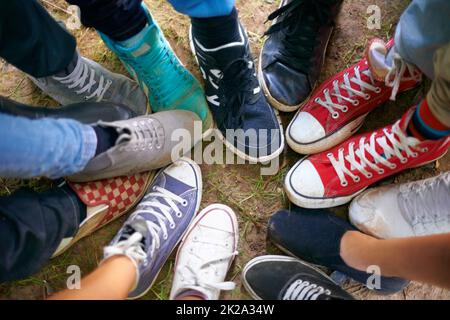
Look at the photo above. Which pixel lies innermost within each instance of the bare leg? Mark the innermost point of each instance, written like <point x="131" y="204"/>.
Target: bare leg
<point x="425" y="259"/>
<point x="112" y="280"/>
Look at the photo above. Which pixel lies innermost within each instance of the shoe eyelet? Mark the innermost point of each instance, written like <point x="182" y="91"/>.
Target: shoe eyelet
<point x="179" y="215"/>
<point x="377" y="90"/>
<point x="316" y="100"/>
<point x="404" y="160"/>
<point x="415" y="155"/>
<point x="172" y="226"/>
<point x="184" y="203"/>
<point x="341" y="149"/>
<point x="355" y="102"/>
<point x="369" y="175"/>
<point x="357" y="179"/>
<point x="381" y="171"/>
<point x="393" y="166"/>
<point x="344" y="183"/>
<point x="165" y="237"/>
<point x="345" y="109"/>
<point x="326" y="91"/>
<point x="367" y="96"/>
<point x="335" y="115"/>
<point x="329" y="155"/>
<point x="424" y="149"/>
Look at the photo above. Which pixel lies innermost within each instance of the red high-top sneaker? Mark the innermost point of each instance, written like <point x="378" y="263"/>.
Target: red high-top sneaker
<point x="336" y="110"/>
<point x="334" y="177"/>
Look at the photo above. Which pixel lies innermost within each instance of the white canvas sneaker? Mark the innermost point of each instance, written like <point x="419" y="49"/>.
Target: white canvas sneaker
<point x="412" y="209"/>
<point x="206" y="253"/>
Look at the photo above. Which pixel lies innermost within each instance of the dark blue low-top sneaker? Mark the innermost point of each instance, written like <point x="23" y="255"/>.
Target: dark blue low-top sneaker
<point x="247" y="124"/>
<point x="294" y="52"/>
<point x="159" y="222"/>
<point x="286" y="278"/>
<point x="315" y="236"/>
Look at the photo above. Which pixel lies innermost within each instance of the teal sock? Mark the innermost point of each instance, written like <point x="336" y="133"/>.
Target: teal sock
<point x="137" y="38"/>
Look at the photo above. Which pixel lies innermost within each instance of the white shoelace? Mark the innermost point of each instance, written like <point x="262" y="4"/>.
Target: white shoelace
<point x="131" y="246"/>
<point x="393" y="79"/>
<point x="396" y="74"/>
<point x="84" y="77"/>
<point x="304" y="290"/>
<point x="145" y="133"/>
<point x="152" y="201"/>
<point x="193" y="277"/>
<point x="425" y="204"/>
<point x="398" y="142"/>
<point x="332" y="107"/>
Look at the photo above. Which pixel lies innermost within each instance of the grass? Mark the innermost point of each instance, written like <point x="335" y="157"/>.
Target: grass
<point x="253" y="197"/>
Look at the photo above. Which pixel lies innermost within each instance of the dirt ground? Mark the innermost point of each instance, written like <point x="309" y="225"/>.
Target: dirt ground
<point x="253" y="197"/>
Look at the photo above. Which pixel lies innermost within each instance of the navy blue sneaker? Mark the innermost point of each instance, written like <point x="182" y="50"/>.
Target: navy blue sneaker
<point x="286" y="278"/>
<point x="294" y="51"/>
<point x="315" y="236"/>
<point x="153" y="230"/>
<point x="247" y="124"/>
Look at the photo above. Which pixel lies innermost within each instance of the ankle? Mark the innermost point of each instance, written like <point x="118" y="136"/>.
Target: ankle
<point x="356" y="248"/>
<point x="106" y="138"/>
<point x="216" y="31"/>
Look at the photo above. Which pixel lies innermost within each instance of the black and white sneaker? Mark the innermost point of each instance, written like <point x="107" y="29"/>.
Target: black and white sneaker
<point x="247" y="124"/>
<point x="286" y="278"/>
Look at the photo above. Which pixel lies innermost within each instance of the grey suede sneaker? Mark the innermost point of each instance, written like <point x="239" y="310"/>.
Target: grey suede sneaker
<point x="89" y="81"/>
<point x="145" y="143"/>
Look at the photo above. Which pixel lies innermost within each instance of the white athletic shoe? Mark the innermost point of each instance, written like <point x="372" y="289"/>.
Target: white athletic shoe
<point x="206" y="253"/>
<point x="412" y="209"/>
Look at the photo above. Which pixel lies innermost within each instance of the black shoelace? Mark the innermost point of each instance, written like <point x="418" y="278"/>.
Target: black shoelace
<point x="235" y="88"/>
<point x="299" y="21"/>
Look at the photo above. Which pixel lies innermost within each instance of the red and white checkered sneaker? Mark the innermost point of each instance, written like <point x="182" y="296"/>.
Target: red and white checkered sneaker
<point x="106" y="200"/>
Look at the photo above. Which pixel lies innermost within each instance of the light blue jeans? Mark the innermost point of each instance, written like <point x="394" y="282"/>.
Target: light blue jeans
<point x="45" y="147"/>
<point x="423" y="28"/>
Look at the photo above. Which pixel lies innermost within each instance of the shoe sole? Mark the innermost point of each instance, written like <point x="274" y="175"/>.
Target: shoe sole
<point x="231" y="147"/>
<point x="321" y="203"/>
<point x="328" y="142"/>
<point x="197" y="207"/>
<point x="199" y="217"/>
<point x="292" y="258"/>
<point x="91" y="225"/>
<point x="274" y="102"/>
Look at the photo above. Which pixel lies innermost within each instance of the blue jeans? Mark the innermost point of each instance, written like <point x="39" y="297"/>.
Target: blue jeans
<point x="203" y="8"/>
<point x="44" y="147"/>
<point x="32" y="226"/>
<point x="423" y="28"/>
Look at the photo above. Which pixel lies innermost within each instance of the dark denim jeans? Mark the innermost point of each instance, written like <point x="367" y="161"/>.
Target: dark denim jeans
<point x="32" y="40"/>
<point x="32" y="226"/>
